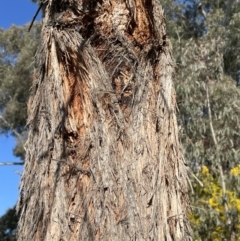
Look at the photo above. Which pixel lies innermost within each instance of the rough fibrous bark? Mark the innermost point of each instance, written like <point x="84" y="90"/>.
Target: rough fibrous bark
<point x="103" y="159"/>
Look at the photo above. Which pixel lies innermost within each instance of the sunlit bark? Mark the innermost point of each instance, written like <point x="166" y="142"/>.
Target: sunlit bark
<point x="103" y="159"/>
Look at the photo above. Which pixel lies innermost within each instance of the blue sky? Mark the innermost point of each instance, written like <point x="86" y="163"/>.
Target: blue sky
<point x="17" y="12"/>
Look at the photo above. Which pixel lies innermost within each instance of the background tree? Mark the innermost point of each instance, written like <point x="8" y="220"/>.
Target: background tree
<point x="103" y="160"/>
<point x="17" y="50"/>
<point x="8" y="225"/>
<point x="16" y="71"/>
<point x="206" y="52"/>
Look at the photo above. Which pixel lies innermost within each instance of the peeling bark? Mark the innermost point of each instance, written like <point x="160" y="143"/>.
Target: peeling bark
<point x="103" y="158"/>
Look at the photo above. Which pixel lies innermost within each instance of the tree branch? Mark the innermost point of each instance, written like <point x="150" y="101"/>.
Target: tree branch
<point x="13" y="130"/>
<point x="218" y="160"/>
<point x="34" y="17"/>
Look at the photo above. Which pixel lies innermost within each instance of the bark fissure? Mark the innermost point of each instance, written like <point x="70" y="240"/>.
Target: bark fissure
<point x="103" y="158"/>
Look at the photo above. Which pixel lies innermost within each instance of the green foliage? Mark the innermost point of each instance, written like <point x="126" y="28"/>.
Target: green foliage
<point x="206" y="51"/>
<point x="8" y="225"/>
<point x="210" y="220"/>
<point x="17" y="50"/>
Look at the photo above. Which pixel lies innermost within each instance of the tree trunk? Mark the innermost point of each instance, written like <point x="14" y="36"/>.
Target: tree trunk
<point x="103" y="158"/>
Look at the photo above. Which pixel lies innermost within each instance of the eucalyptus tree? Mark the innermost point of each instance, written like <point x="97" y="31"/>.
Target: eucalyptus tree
<point x="103" y="159"/>
<point x="205" y="37"/>
<point x="8" y="225"/>
<point x="17" y="50"/>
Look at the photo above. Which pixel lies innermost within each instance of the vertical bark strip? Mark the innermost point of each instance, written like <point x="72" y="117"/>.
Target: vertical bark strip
<point x="103" y="158"/>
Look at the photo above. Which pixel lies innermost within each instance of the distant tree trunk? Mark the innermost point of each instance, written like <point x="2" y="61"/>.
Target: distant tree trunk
<point x="103" y="160"/>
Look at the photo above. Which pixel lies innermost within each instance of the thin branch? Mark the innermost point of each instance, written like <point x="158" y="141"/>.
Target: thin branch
<point x="198" y="208"/>
<point x="34" y="17"/>
<point x="210" y="120"/>
<point x="13" y="130"/>
<point x="200" y="183"/>
<point x="19" y="173"/>
<point x="217" y="152"/>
